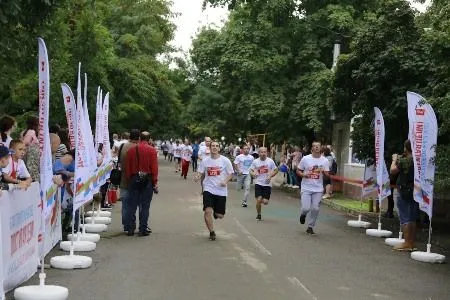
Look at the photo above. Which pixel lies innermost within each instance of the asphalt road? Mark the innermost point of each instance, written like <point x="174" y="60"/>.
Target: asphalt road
<point x="271" y="259"/>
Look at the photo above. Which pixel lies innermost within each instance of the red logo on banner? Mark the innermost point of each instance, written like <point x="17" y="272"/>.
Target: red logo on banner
<point x="42" y="66"/>
<point x="68" y="99"/>
<point x="378" y="122"/>
<point x="213" y="171"/>
<point x="420" y="111"/>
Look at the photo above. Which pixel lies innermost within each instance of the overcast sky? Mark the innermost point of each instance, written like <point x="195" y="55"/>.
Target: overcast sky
<point x="192" y="18"/>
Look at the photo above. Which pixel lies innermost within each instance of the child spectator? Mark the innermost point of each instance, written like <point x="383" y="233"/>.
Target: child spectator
<point x="16" y="171"/>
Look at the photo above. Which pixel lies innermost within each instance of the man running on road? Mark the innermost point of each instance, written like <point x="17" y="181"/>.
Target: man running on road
<point x="262" y="169"/>
<point x="204" y="150"/>
<point x="177" y="149"/>
<point x="312" y="168"/>
<point x="216" y="171"/>
<point x="242" y="165"/>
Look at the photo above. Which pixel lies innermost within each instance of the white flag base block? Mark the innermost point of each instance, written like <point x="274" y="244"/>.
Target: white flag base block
<point x="378" y="232"/>
<point x="395" y="241"/>
<point x="41" y="292"/>
<point x="78" y="246"/>
<point x="95" y="228"/>
<point x="358" y="223"/>
<point x="90" y="237"/>
<point x="99" y="220"/>
<point x="70" y="262"/>
<point x="45" y="292"/>
<point x="428" y="256"/>
<point x="96" y="213"/>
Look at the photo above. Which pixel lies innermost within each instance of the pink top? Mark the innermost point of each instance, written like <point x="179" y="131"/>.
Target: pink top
<point x="30" y="138"/>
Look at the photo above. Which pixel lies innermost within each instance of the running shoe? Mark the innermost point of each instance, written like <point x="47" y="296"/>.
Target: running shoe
<point x="310" y="230"/>
<point x="212" y="236"/>
<point x="302" y="219"/>
<point x="258" y="217"/>
<point x="244" y="204"/>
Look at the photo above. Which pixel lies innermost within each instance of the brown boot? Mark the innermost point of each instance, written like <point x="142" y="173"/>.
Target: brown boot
<point x="406" y="246"/>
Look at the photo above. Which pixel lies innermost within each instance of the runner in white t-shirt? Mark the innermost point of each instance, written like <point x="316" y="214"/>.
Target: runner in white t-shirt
<point x="242" y="165"/>
<point x="204" y="147"/>
<point x="216" y="171"/>
<point x="177" y="149"/>
<point x="312" y="168"/>
<point x="186" y="155"/>
<point x="170" y="144"/>
<point x="262" y="169"/>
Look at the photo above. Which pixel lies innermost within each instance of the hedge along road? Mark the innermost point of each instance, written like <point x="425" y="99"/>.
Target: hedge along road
<point x="271" y="259"/>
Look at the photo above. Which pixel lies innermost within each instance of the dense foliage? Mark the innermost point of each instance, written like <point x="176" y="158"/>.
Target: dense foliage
<point x="117" y="42"/>
<point x="267" y="70"/>
<point x="272" y="61"/>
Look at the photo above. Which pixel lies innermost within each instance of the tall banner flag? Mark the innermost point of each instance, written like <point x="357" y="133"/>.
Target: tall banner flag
<point x="47" y="188"/>
<point x="383" y="183"/>
<point x="98" y="120"/>
<point x="69" y="104"/>
<point x="370" y="175"/>
<point x="92" y="157"/>
<point x="82" y="168"/>
<point x="423" y="131"/>
<point x="106" y="141"/>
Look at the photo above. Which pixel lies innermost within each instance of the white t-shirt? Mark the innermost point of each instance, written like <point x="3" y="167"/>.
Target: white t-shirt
<point x="7" y="142"/>
<point x="314" y="167"/>
<point x="263" y="170"/>
<point x="170" y="145"/>
<point x="177" y="149"/>
<point x="216" y="171"/>
<point x="203" y="152"/>
<point x="186" y="152"/>
<point x="19" y="168"/>
<point x="244" y="162"/>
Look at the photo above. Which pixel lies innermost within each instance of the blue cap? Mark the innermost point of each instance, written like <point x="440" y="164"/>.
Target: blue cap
<point x="4" y="151"/>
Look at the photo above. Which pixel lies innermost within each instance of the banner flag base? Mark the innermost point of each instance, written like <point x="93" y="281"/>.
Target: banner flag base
<point x="358" y="223"/>
<point x="83" y="236"/>
<point x="395" y="241"/>
<point x="41" y="292"/>
<point x="99" y="220"/>
<point x="78" y="246"/>
<point x="428" y="256"/>
<point x="95" y="228"/>
<point x="378" y="232"/>
<point x="96" y="213"/>
<point x="70" y="262"/>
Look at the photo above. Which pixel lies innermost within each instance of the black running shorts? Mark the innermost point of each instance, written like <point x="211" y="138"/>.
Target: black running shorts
<point x="262" y="191"/>
<point x="217" y="203"/>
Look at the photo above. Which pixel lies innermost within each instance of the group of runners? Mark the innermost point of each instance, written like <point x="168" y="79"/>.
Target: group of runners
<point x="215" y="171"/>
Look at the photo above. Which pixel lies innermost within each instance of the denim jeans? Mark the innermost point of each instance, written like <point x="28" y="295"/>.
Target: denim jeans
<point x="124" y="197"/>
<point x="408" y="210"/>
<point x="138" y="197"/>
<point x="243" y="181"/>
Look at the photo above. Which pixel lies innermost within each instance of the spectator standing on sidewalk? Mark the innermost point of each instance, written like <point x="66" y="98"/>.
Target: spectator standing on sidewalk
<point x="122" y="158"/>
<point x="408" y="209"/>
<point x="142" y="173"/>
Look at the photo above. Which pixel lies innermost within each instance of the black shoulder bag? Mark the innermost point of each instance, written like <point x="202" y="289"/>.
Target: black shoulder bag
<point x="142" y="178"/>
<point x="116" y="174"/>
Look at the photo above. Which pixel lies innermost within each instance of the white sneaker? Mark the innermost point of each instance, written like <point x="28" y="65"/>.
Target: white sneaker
<point x="295" y="187"/>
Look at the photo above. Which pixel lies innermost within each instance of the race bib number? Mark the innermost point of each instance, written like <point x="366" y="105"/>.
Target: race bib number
<point x="247" y="163"/>
<point x="263" y="170"/>
<point x="213" y="171"/>
<point x="314" y="176"/>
